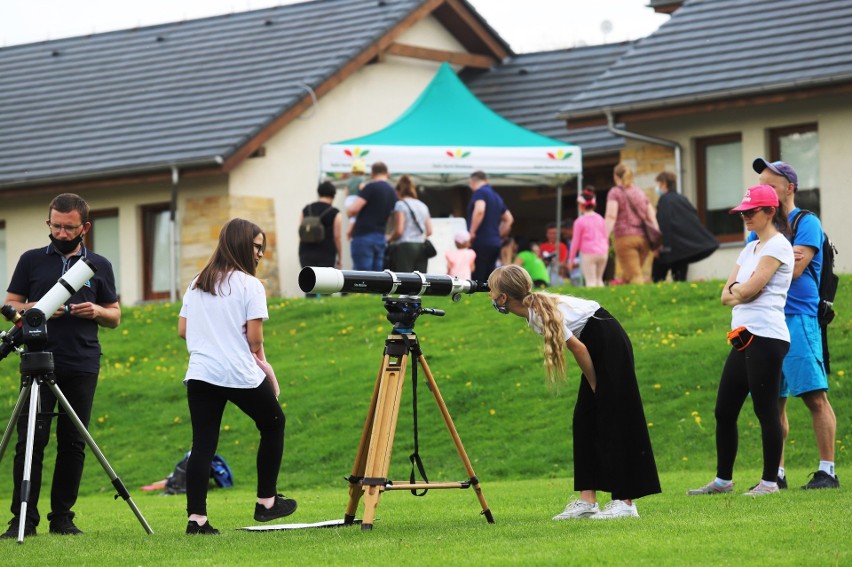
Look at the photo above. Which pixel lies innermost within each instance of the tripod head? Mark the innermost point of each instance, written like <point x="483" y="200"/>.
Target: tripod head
<point x="404" y="310"/>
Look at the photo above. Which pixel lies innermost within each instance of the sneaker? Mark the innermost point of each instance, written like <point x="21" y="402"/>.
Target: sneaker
<point x="711" y="488"/>
<point x="283" y="506"/>
<point x="12" y="532"/>
<point x="822" y="479"/>
<point x="64" y="525"/>
<point x="761" y="489"/>
<point x="616" y="509"/>
<point x="192" y="528"/>
<point x="578" y="509"/>
<point x="782" y="483"/>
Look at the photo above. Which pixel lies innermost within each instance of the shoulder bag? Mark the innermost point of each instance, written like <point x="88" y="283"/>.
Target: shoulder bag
<point x="428" y="248"/>
<point x="652" y="234"/>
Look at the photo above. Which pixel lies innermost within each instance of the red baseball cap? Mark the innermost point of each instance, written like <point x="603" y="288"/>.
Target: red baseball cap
<point x="756" y="197"/>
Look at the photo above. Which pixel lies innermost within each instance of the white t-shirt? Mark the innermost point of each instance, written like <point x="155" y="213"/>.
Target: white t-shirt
<point x="410" y="231"/>
<point x="216" y="331"/>
<point x="764" y="316"/>
<point x="575" y="312"/>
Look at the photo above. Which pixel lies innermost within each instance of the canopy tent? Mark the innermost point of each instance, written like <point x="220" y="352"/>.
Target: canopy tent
<point x="447" y="134"/>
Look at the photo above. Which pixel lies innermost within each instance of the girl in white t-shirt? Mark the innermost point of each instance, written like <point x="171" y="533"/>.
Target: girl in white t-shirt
<point x="757" y="291"/>
<point x="222" y="321"/>
<point x="612" y="448"/>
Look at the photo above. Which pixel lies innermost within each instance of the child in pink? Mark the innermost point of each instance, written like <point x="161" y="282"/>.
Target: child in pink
<point x="590" y="240"/>
<point x="460" y="261"/>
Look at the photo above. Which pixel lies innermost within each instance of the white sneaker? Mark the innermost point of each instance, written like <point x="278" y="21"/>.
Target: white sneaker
<point x="577" y="509"/>
<point x="761" y="490"/>
<point x="616" y="509"/>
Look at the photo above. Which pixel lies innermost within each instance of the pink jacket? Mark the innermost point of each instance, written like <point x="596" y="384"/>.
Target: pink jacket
<point x="589" y="236"/>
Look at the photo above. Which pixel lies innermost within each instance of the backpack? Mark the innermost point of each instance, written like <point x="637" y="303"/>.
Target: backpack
<point x="220" y="472"/>
<point x="312" y="230"/>
<point x="827" y="282"/>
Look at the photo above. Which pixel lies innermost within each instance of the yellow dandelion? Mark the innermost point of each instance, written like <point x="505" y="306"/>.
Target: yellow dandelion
<point x="684" y="459"/>
<point x="657" y="386"/>
<point x="650" y="424"/>
<point x="693" y="414"/>
<point x="492" y="412"/>
<point x="841" y="373"/>
<point x="176" y="419"/>
<point x="468" y="384"/>
<point x="698" y="419"/>
<point x="227" y="428"/>
<point x="101" y="420"/>
<point x="124" y="332"/>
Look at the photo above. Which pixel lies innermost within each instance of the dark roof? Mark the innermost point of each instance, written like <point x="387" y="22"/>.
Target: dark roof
<point x="189" y="93"/>
<point x="529" y="88"/>
<point x="716" y="49"/>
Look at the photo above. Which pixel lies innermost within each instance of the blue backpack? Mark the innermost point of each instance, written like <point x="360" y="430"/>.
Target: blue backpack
<point x="220" y="472"/>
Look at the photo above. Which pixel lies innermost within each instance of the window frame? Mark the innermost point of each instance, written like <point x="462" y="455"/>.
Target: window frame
<point x="701" y="145"/>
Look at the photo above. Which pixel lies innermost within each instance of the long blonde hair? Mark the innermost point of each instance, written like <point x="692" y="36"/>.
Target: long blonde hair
<point x="516" y="283"/>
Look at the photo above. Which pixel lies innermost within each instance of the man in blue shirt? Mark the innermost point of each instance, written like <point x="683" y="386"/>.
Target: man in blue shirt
<point x="373" y="205"/>
<point x="73" y="339"/>
<point x="804" y="371"/>
<point x="488" y="221"/>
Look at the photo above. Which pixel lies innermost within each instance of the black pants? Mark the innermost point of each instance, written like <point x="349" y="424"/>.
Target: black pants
<point x="206" y="406"/>
<point x="485" y="262"/>
<point x="755" y="370"/>
<point x="612" y="447"/>
<point x="659" y="270"/>
<point x="79" y="389"/>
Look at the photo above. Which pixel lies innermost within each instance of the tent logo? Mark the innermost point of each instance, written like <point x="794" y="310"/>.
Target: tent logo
<point x="356" y="152"/>
<point x="559" y="155"/>
<point x="458" y="154"/>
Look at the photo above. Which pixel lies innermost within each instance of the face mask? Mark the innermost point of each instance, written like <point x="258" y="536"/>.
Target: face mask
<point x="66" y="246"/>
<point x="500" y="308"/>
<point x="659" y="191"/>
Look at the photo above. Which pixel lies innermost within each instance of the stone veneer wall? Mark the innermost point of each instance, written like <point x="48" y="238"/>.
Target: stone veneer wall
<point x="201" y="221"/>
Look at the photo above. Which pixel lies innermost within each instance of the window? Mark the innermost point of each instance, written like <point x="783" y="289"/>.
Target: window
<point x="799" y="146"/>
<point x="719" y="167"/>
<point x="103" y="239"/>
<point x="155" y="251"/>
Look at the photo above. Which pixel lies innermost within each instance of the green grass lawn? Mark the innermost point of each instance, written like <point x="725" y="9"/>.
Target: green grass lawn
<point x="327" y="352"/>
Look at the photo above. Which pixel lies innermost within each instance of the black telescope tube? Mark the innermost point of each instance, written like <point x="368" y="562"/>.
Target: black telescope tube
<point x="330" y="280"/>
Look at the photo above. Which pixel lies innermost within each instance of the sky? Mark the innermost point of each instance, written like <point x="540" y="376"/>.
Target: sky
<point x="541" y="24"/>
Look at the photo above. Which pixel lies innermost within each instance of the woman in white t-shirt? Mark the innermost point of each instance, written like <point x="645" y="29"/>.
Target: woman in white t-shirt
<point x="412" y="225"/>
<point x="757" y="291"/>
<point x="612" y="448"/>
<point x="222" y="321"/>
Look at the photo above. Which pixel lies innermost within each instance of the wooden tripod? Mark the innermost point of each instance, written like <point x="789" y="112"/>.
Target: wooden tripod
<point x="369" y="475"/>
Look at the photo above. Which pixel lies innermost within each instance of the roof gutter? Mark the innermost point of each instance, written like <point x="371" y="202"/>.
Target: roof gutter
<point x="117" y="172"/>
<point x="173" y="249"/>
<point x="610" y="124"/>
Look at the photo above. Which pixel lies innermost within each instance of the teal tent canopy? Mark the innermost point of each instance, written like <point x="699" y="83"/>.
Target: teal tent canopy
<point x="447" y="133"/>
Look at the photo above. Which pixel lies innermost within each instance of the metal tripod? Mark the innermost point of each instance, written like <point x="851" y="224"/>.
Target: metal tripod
<point x="37" y="370"/>
<point x="369" y="474"/>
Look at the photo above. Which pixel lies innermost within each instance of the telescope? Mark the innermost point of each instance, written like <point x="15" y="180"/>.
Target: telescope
<point x="30" y="328"/>
<point x="331" y="280"/>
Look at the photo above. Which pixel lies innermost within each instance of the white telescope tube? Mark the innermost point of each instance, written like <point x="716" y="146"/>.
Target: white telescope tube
<point x="68" y="284"/>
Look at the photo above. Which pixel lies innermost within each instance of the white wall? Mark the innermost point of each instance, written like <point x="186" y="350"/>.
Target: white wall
<point x="367" y="101"/>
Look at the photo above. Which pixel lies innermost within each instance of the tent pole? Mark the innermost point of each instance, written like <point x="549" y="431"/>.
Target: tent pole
<point x="558" y="223"/>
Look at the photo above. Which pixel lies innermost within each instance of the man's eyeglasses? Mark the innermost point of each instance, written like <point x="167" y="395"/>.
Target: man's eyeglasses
<point x="748" y="214"/>
<point x="60" y="227"/>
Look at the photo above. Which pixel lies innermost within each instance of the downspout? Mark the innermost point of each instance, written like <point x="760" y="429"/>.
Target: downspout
<point x="610" y="124"/>
<point x="173" y="249"/>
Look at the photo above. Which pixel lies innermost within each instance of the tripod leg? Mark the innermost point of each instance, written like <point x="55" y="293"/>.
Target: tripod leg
<point x="474" y="482"/>
<point x="13" y="421"/>
<point x="28" y="460"/>
<point x="116" y="482"/>
<point x="355" y="488"/>
<point x="384" y="427"/>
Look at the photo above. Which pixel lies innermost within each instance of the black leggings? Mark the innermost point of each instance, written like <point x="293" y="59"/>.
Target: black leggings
<point x="755" y="370"/>
<point x="206" y="406"/>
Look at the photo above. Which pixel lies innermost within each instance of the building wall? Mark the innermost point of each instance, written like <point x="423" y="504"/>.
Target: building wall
<point x="367" y="101"/>
<point x="833" y="116"/>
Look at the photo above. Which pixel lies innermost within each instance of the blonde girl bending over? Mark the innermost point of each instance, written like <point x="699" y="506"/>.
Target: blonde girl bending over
<point x="612" y="448"/>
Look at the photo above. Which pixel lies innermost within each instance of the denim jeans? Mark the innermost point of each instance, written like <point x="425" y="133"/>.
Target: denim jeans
<point x="368" y="252"/>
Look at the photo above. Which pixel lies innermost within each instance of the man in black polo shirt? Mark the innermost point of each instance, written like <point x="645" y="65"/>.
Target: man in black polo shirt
<point x="73" y="340"/>
<point x="373" y="205"/>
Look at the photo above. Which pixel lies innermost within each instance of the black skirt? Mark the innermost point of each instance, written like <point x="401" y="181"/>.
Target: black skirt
<point x="612" y="447"/>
